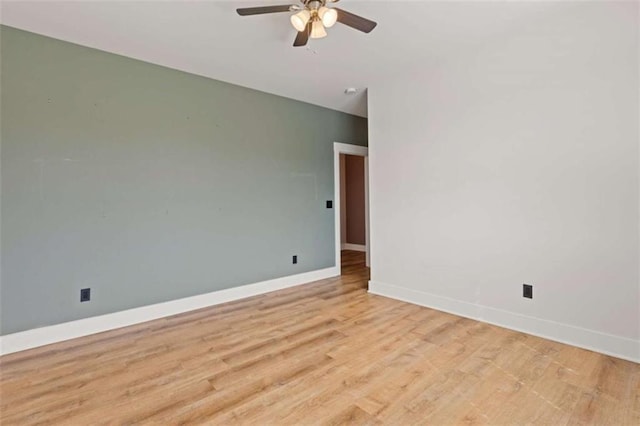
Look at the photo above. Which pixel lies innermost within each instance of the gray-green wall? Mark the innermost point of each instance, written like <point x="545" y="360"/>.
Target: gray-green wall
<point x="148" y="184"/>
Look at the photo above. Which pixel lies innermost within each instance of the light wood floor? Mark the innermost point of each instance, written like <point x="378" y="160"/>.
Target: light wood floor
<point x="323" y="353"/>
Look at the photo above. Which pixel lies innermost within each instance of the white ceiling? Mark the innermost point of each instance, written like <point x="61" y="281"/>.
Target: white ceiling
<point x="208" y="38"/>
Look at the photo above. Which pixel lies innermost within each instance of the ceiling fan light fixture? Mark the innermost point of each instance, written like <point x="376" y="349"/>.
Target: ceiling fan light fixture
<point x="300" y="19"/>
<point x="328" y="16"/>
<point x="317" y="29"/>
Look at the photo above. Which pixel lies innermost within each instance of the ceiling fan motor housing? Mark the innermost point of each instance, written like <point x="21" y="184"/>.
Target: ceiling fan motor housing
<point x="314" y="5"/>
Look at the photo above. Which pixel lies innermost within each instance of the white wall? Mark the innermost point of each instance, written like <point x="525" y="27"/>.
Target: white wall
<point x="517" y="164"/>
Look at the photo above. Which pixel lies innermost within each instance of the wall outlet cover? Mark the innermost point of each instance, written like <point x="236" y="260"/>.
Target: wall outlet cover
<point x="85" y="295"/>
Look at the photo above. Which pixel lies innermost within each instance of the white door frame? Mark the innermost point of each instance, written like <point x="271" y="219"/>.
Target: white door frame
<point x="362" y="151"/>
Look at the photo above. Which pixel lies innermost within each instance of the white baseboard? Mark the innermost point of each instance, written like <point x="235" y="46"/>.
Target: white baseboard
<point x="354" y="247"/>
<point x="70" y="330"/>
<point x="617" y="346"/>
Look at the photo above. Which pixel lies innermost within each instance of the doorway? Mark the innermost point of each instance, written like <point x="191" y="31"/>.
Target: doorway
<point x="351" y="195"/>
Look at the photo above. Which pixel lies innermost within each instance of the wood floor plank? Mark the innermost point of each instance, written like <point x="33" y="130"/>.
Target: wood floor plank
<point x="322" y="353"/>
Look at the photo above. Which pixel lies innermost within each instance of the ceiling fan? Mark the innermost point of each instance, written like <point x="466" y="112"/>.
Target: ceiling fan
<point x="312" y="17"/>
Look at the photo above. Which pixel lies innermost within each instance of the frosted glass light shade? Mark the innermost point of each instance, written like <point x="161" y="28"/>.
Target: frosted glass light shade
<point x="328" y="16"/>
<point x="317" y="30"/>
<point x="300" y="19"/>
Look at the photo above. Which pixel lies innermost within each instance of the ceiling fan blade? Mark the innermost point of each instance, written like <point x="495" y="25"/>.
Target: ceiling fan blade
<point x="355" y="21"/>
<point x="303" y="36"/>
<point x="245" y="11"/>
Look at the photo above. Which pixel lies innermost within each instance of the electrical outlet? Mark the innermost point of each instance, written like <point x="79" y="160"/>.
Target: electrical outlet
<point x="85" y="295"/>
<point x="527" y="291"/>
<point x="295" y="259"/>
